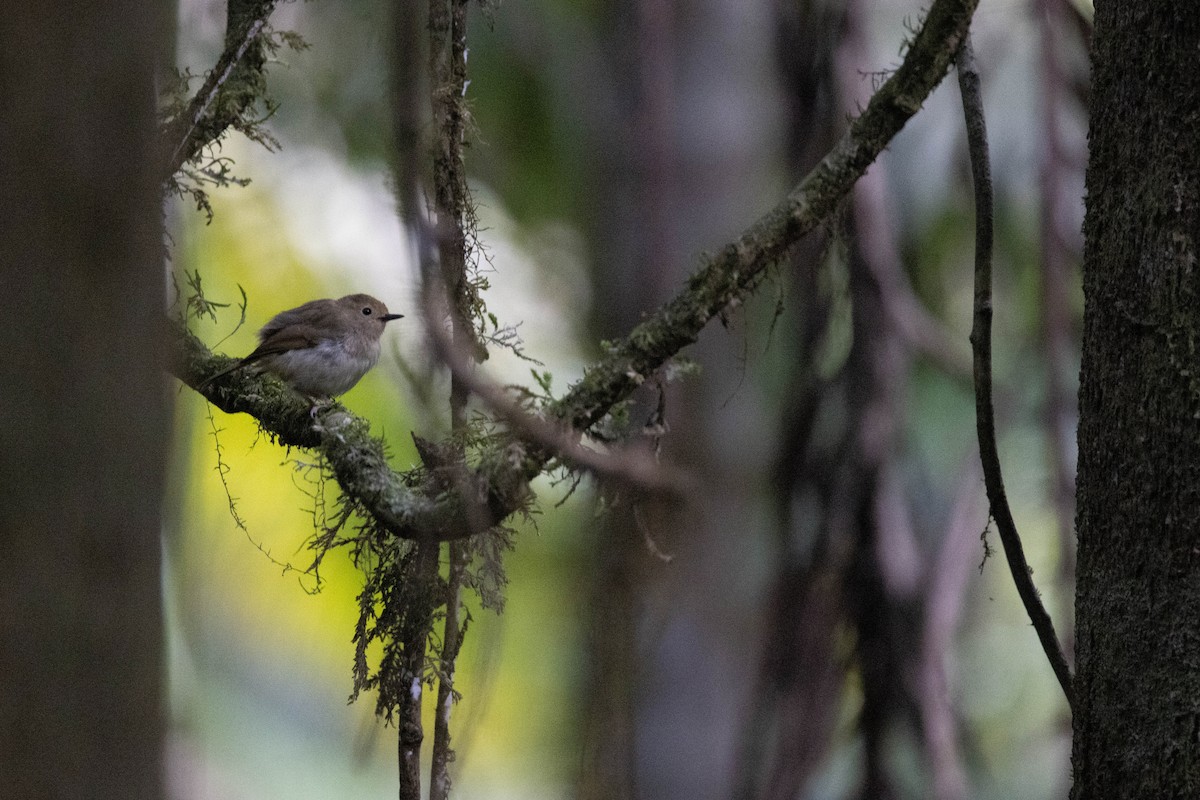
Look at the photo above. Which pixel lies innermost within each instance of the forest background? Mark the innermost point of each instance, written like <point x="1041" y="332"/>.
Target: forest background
<point x="830" y="422"/>
<point x="610" y="146"/>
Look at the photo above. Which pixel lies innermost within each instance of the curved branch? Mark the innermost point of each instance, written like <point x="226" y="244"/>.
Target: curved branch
<point x="629" y="467"/>
<point x="414" y="511"/>
<point x="981" y="342"/>
<point x="732" y="273"/>
<point x="405" y="504"/>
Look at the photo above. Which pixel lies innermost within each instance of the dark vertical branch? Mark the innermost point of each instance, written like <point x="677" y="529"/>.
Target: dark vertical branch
<point x="407" y="123"/>
<point x="792" y="709"/>
<point x="452" y="210"/>
<point x="794" y="705"/>
<point x="882" y="587"/>
<point x="1058" y="411"/>
<point x="884" y="573"/>
<point x="407" y="120"/>
<point x="797" y="681"/>
<point x="981" y="341"/>
<point x="877" y="651"/>
<point x="922" y="626"/>
<point x="418" y="622"/>
<point x="608" y="728"/>
<point x="803" y="677"/>
<point x="453" y="214"/>
<point x="439" y="772"/>
<point x="943" y="611"/>
<point x="443" y="243"/>
<point x="655" y="141"/>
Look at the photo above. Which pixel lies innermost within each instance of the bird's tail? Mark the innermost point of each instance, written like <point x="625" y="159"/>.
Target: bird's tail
<point x="236" y="366"/>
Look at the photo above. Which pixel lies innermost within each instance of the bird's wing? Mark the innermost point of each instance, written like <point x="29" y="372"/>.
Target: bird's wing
<point x="296" y="337"/>
<point x="313" y="310"/>
<point x="283" y="339"/>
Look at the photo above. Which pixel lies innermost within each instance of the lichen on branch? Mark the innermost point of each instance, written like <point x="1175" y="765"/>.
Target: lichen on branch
<point x="409" y="508"/>
<point x="232" y="97"/>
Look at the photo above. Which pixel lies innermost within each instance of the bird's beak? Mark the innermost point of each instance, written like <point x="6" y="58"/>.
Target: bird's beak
<point x="390" y="317"/>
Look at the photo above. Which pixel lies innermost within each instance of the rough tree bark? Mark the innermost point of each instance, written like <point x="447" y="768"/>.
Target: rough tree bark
<point x="1137" y="719"/>
<point x="85" y="427"/>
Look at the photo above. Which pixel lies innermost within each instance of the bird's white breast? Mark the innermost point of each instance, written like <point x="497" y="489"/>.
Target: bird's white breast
<point x="328" y="369"/>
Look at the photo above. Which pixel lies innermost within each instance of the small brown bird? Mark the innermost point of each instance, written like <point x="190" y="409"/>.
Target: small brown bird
<point x="321" y="348"/>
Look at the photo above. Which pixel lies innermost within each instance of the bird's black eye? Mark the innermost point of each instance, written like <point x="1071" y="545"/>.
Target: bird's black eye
<point x="366" y="311"/>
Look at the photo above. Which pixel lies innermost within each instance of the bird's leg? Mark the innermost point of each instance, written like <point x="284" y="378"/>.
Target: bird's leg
<point x="318" y="403"/>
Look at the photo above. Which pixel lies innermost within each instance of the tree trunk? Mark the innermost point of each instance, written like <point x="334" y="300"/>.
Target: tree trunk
<point x="84" y="427"/>
<point x="1137" y="719"/>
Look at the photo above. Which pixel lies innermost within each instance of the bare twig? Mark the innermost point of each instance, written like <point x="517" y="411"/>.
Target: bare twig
<point x="981" y="341"/>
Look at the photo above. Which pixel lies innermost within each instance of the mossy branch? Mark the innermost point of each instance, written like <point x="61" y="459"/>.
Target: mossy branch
<point x="732" y="273"/>
<point x="410" y="505"/>
<point x="410" y="509"/>
<point x="455" y="216"/>
<point x="233" y="86"/>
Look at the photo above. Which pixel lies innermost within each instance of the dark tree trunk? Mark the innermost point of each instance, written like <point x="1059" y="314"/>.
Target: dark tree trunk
<point x="1137" y="719"/>
<point x="84" y="426"/>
